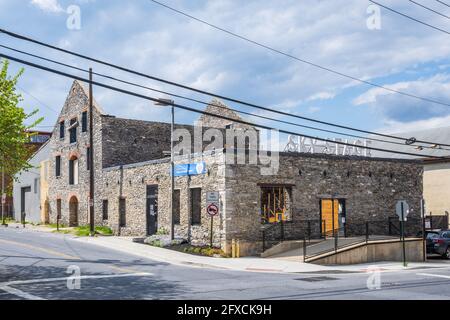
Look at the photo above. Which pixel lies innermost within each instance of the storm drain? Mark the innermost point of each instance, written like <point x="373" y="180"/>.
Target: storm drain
<point x="316" y="279"/>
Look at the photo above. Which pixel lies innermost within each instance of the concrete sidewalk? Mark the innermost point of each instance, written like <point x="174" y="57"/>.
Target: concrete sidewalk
<point x="252" y="264"/>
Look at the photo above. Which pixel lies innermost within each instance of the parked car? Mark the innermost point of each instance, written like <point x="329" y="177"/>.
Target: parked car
<point x="429" y="236"/>
<point x="441" y="243"/>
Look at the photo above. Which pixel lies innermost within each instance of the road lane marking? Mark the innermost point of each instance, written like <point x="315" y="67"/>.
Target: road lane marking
<point x="139" y="274"/>
<point x="433" y="275"/>
<point x="49" y="251"/>
<point x="20" y="293"/>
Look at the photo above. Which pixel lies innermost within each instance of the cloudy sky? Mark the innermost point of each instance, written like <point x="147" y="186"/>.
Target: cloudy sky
<point x="139" y="34"/>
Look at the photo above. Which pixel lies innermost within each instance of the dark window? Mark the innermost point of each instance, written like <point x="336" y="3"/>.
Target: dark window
<point x="122" y="212"/>
<point x="58" y="209"/>
<point x="88" y="158"/>
<point x="84" y="121"/>
<point x="36" y="185"/>
<point x="196" y="198"/>
<point x="105" y="209"/>
<point x="176" y="207"/>
<point x="61" y="130"/>
<point x="73" y="131"/>
<point x="73" y="171"/>
<point x="58" y="166"/>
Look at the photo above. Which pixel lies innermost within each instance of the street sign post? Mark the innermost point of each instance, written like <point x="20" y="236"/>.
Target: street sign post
<point x="212" y="209"/>
<point x="402" y="210"/>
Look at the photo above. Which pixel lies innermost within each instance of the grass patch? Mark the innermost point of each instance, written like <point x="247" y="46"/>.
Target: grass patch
<point x="53" y="225"/>
<point x="84" y="231"/>
<point x="62" y="231"/>
<point x="201" y="251"/>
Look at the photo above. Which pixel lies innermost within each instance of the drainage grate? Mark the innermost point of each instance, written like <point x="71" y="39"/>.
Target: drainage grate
<point x="316" y="279"/>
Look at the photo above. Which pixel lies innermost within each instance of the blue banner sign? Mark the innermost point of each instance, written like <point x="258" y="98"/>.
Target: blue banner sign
<point x="189" y="169"/>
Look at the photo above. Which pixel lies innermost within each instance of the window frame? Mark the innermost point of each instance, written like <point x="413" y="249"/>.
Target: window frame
<point x="177" y="206"/>
<point x="105" y="209"/>
<point x="73" y="130"/>
<point x="196" y="217"/>
<point x="84" y="121"/>
<point x="62" y="129"/>
<point x="58" y="166"/>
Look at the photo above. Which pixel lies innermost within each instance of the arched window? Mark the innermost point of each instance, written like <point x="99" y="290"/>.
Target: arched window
<point x="73" y="170"/>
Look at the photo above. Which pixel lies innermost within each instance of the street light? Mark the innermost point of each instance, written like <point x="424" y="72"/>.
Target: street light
<point x="168" y="102"/>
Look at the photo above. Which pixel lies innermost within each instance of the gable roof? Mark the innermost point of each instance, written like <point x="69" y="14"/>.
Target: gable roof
<point x="437" y="135"/>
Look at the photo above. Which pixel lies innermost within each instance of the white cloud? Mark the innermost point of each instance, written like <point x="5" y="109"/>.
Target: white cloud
<point x="398" y="108"/>
<point x="48" y="5"/>
<point x="398" y="127"/>
<point x="154" y="40"/>
<point x="323" y="95"/>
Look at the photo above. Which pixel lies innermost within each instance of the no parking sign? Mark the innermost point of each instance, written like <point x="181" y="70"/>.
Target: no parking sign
<point x="212" y="209"/>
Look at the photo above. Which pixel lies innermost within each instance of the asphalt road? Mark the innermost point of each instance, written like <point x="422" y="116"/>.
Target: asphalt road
<point x="36" y="265"/>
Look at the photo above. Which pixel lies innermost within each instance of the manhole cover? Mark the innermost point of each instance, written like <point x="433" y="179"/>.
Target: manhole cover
<point x="316" y="279"/>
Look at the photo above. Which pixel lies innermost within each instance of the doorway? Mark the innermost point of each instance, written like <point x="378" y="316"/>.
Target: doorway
<point x="46" y="217"/>
<point x="152" y="209"/>
<point x="332" y="216"/>
<point x="24" y="202"/>
<point x="73" y="212"/>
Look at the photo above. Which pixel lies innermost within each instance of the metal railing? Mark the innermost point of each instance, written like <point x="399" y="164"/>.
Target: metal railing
<point x="275" y="233"/>
<point x="355" y="233"/>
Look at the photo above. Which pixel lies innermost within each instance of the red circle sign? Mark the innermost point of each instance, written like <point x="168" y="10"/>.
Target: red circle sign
<point x="212" y="209"/>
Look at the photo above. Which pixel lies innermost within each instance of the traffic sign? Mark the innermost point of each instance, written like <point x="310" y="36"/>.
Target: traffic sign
<point x="402" y="210"/>
<point x="212" y="196"/>
<point x="212" y="209"/>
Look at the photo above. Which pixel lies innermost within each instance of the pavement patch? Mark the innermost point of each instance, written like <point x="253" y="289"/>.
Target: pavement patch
<point x="317" y="279"/>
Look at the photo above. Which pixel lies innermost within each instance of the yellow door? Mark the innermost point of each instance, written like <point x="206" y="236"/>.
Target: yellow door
<point x="331" y="220"/>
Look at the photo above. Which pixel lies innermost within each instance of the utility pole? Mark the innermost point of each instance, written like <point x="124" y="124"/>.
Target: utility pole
<point x="167" y="102"/>
<point x="91" y="157"/>
<point x="3" y="192"/>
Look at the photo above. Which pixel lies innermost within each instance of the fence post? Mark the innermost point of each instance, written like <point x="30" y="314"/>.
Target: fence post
<point x="335" y="241"/>
<point x="389" y="226"/>
<point x="282" y="230"/>
<point x="309" y="231"/>
<point x="263" y="240"/>
<point x="367" y="231"/>
<point x="304" y="249"/>
<point x="324" y="232"/>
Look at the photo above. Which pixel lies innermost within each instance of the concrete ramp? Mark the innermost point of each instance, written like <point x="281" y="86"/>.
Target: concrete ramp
<point x="371" y="251"/>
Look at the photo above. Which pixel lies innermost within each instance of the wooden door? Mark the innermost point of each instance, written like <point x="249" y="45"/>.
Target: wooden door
<point x="329" y="215"/>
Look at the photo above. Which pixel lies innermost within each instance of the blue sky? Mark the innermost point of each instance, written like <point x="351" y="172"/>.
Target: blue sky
<point x="146" y="37"/>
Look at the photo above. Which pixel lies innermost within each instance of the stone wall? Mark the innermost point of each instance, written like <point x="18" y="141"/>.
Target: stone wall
<point x="131" y="182"/>
<point x="369" y="186"/>
<point x="59" y="187"/>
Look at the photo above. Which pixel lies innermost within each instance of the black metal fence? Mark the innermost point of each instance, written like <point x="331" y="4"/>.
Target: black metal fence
<point x="351" y="233"/>
<point x="274" y="233"/>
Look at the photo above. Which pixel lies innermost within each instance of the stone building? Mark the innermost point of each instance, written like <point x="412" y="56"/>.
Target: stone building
<point x="132" y="181"/>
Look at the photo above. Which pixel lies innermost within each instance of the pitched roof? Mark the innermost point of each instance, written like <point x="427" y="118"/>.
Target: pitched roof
<point x="436" y="135"/>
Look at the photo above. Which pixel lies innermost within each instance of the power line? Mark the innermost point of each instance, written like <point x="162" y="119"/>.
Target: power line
<point x="138" y="95"/>
<point x="409" y="17"/>
<point x="209" y="103"/>
<point x="15" y="35"/>
<point x="442" y="2"/>
<point x="37" y="99"/>
<point x="300" y="59"/>
<point x="429" y="9"/>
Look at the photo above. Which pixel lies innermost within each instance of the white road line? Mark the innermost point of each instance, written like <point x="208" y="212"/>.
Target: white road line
<point x="20" y="293"/>
<point x="433" y="275"/>
<point x="140" y="274"/>
<point x="6" y="286"/>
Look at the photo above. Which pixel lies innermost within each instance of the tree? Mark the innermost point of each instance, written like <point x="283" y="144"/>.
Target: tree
<point x="14" y="133"/>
